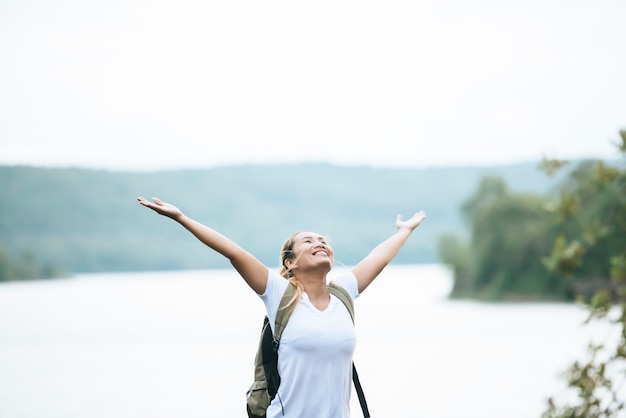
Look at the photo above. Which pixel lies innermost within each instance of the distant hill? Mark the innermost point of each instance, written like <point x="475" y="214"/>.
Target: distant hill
<point x="89" y="221"/>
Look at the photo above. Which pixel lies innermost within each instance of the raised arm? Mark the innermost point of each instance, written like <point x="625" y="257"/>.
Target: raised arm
<point x="371" y="266"/>
<point x="252" y="270"/>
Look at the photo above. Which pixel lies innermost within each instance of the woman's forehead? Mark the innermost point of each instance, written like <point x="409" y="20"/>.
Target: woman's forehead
<point x="312" y="235"/>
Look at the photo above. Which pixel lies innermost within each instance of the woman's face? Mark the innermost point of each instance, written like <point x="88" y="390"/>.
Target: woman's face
<point x="311" y="250"/>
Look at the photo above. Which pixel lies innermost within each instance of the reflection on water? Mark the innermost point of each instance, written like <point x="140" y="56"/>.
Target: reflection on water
<point x="182" y="344"/>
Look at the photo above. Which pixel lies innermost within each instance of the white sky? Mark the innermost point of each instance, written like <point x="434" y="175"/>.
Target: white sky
<point x="132" y="84"/>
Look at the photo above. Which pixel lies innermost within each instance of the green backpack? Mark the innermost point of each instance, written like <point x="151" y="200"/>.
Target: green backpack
<point x="266" y="377"/>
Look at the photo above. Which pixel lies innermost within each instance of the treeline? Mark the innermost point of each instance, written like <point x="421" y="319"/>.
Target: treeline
<point x="26" y="266"/>
<point x="520" y="244"/>
<point x="85" y="220"/>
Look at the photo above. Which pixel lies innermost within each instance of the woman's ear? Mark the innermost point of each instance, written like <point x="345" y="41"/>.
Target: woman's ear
<point x="288" y="263"/>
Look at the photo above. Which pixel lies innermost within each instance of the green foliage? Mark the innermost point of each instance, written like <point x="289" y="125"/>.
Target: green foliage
<point x="591" y="244"/>
<point x="520" y="244"/>
<point x="565" y="257"/>
<point x="508" y="234"/>
<point x="594" y="389"/>
<point x="453" y="252"/>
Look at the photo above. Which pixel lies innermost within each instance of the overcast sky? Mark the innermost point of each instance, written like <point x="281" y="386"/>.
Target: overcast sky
<point x="131" y="84"/>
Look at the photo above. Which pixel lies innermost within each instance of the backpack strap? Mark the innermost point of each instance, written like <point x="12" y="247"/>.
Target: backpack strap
<point x="343" y="295"/>
<point x="284" y="312"/>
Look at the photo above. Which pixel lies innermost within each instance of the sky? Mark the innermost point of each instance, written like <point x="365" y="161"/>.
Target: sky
<point x="144" y="85"/>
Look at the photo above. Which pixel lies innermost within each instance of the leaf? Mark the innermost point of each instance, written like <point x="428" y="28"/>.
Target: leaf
<point x="551" y="166"/>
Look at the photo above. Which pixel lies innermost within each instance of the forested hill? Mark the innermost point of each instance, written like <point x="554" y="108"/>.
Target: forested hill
<point x="89" y="221"/>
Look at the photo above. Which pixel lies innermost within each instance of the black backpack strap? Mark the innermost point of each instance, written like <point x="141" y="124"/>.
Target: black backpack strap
<point x="359" y="392"/>
<point x="271" y="340"/>
<point x="343" y="295"/>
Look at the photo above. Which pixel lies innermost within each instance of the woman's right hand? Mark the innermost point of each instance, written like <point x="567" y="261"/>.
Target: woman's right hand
<point x="160" y="207"/>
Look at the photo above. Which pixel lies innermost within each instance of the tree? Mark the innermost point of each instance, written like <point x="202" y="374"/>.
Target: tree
<point x="508" y="234"/>
<point x="590" y="250"/>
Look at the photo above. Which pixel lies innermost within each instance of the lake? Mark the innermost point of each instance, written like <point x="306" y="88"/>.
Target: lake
<point x="165" y="344"/>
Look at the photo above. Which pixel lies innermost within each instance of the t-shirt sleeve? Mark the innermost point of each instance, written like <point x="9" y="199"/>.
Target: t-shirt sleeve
<point x="276" y="285"/>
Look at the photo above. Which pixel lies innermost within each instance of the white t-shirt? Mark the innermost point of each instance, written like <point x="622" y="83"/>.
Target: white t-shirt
<point x="315" y="354"/>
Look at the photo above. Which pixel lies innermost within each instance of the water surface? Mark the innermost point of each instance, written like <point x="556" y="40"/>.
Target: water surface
<point x="168" y="344"/>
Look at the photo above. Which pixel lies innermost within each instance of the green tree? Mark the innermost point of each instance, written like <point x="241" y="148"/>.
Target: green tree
<point x="590" y="251"/>
<point x="508" y="234"/>
<point x="455" y="253"/>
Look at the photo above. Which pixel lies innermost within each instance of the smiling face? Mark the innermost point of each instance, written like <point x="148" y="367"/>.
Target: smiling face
<point x="305" y="251"/>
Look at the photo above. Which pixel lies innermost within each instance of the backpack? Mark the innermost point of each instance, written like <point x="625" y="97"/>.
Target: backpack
<point x="266" y="377"/>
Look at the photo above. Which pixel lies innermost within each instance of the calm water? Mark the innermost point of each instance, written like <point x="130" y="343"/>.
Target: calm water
<point x="183" y="343"/>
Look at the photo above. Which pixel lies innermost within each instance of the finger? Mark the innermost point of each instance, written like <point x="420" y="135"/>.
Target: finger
<point x="157" y="201"/>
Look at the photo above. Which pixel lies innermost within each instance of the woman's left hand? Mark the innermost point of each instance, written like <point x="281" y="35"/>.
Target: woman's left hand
<point x="411" y="223"/>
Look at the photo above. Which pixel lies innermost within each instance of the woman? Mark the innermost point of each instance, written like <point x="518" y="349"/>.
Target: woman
<point x="315" y="353"/>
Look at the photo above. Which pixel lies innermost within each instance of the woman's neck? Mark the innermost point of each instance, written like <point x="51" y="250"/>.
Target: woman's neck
<point x="314" y="285"/>
<point x="316" y="290"/>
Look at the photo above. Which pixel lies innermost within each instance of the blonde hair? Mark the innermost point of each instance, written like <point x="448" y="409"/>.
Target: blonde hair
<point x="287" y="253"/>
